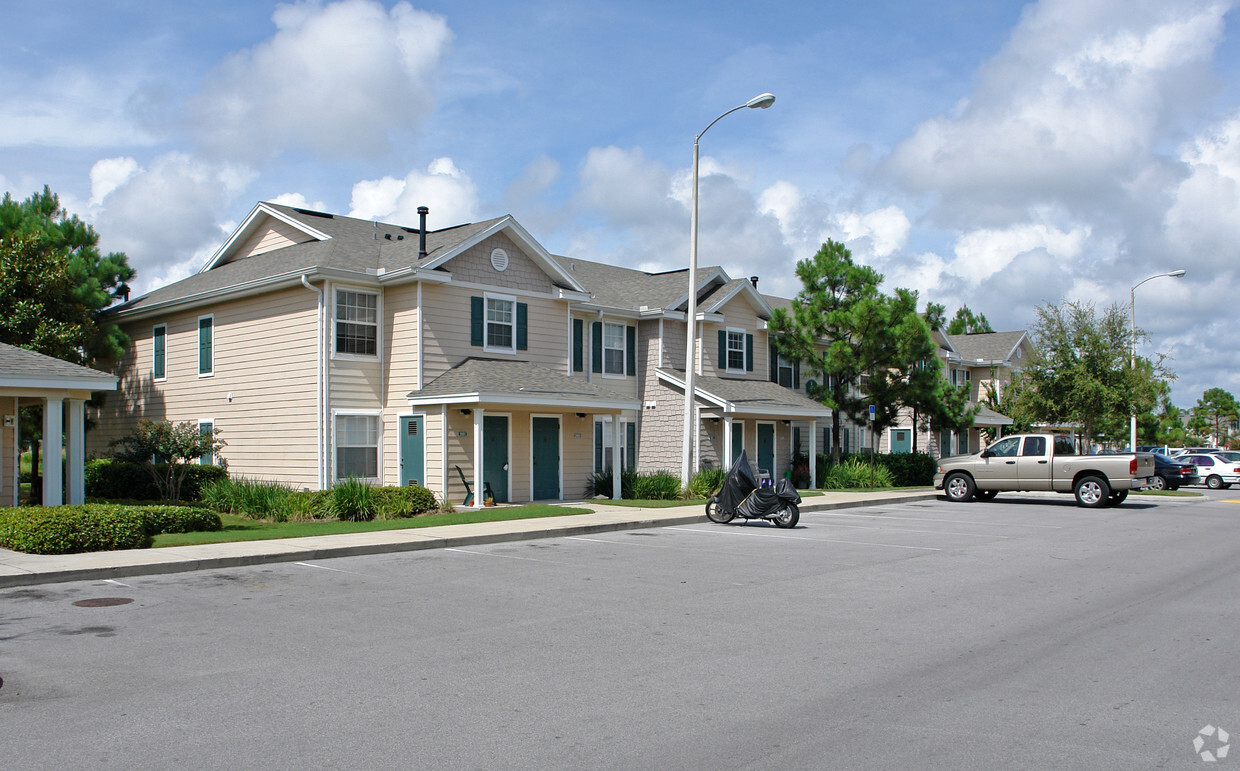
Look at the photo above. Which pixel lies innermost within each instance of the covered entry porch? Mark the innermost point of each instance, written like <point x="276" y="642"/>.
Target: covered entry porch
<point x="513" y="431"/>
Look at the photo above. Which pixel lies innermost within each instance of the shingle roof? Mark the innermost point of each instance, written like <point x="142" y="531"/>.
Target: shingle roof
<point x="992" y="346"/>
<point x="18" y="365"/>
<point x="617" y="287"/>
<point x="760" y="396"/>
<point x="503" y="380"/>
<point x="988" y="417"/>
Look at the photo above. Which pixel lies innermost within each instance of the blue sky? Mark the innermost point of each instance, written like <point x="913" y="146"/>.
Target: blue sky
<point x="997" y="154"/>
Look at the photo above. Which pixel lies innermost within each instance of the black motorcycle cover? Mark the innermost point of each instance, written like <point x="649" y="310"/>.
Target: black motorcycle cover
<point x="738" y="484"/>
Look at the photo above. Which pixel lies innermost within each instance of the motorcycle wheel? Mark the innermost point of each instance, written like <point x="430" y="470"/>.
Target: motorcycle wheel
<point x="716" y="514"/>
<point x="787" y="517"/>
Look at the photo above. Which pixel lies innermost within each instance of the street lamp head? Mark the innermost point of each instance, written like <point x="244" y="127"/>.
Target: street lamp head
<point x="762" y="101"/>
<point x="1177" y="273"/>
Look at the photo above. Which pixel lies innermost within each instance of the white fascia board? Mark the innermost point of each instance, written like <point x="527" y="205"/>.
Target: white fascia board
<point x="668" y="377"/>
<point x="751" y="294"/>
<point x="102" y="382"/>
<point x="250" y="224"/>
<point x="704" y="278"/>
<point x="1012" y="352"/>
<point x="611" y="312"/>
<point x="405" y="275"/>
<point x="523" y="238"/>
<point x="570" y="294"/>
<point x="552" y="401"/>
<point x="247" y="289"/>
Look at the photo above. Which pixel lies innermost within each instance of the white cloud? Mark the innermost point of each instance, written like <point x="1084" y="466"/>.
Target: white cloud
<point x="68" y="108"/>
<point x="982" y="253"/>
<point x="298" y="201"/>
<point x="449" y="192"/>
<point x="886" y="229"/>
<point x="165" y="217"/>
<point x="336" y="80"/>
<point x="1202" y="222"/>
<point x="108" y="174"/>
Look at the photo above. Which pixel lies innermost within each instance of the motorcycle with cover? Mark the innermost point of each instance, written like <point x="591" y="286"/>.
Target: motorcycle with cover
<point x="742" y="496"/>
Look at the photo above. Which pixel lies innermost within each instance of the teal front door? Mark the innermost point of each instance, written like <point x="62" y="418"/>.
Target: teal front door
<point x="901" y="440"/>
<point x="766" y="448"/>
<point x="545" y="455"/>
<point x="495" y="456"/>
<point x="412" y="451"/>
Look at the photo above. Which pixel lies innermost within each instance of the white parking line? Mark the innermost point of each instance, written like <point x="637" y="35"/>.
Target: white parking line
<point x="502" y="556"/>
<point x="755" y="533"/>
<point x="324" y="567"/>
<point x="638" y="542"/>
<point x="931" y="519"/>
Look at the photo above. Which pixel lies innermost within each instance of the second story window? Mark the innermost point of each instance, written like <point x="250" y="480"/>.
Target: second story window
<point x="785" y="373"/>
<point x="357" y="322"/>
<point x="736" y="350"/>
<point x="613" y="349"/>
<point x="501" y="323"/>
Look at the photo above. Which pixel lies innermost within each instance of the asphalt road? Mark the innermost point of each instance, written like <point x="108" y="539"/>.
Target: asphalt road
<point x="1022" y="633"/>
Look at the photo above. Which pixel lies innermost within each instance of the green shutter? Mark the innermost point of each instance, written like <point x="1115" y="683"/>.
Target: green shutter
<point x="204" y="345"/>
<point x="579" y="344"/>
<point x="723" y="349"/>
<point x="749" y="353"/>
<point x="476" y="324"/>
<point x="161" y="348"/>
<point x="598" y="447"/>
<point x="630" y="450"/>
<point x="796" y="374"/>
<point x="774" y="360"/>
<point x="523" y="312"/>
<point x="596" y="340"/>
<point x="630" y="350"/>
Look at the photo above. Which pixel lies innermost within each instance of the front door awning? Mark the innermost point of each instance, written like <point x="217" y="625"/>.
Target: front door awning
<point x="518" y="383"/>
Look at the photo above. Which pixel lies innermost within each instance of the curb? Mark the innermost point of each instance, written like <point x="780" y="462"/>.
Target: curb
<point x="292" y="553"/>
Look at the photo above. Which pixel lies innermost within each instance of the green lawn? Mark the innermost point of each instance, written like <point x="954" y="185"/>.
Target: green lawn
<point x="243" y="529"/>
<point x="1168" y="493"/>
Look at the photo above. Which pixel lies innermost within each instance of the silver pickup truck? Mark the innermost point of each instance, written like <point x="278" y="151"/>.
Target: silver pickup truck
<point x="1043" y="462"/>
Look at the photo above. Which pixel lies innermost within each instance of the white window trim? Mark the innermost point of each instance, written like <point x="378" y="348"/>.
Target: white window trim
<point x="206" y="422"/>
<point x="335" y="290"/>
<point x="727" y="354"/>
<point x="198" y="347"/>
<point x="624" y="350"/>
<point x="378" y="415"/>
<point x="164" y="327"/>
<point x="486" y="323"/>
<point x="780" y="367"/>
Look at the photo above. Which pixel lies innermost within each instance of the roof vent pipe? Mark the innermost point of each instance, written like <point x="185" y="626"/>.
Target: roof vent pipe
<point x="754" y="279"/>
<point x="422" y="212"/>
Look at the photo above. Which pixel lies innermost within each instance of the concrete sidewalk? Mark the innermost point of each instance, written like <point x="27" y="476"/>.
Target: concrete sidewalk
<point x="17" y="569"/>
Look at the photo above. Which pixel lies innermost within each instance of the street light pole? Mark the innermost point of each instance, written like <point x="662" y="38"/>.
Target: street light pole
<point x="1132" y="307"/>
<point x="762" y="101"/>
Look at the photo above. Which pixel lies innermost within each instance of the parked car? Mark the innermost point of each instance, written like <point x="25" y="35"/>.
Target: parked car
<point x="1212" y="470"/>
<point x="1170" y="474"/>
<point x="1192" y="451"/>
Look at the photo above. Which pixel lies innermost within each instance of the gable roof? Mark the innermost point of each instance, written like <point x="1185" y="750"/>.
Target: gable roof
<point x="335" y="245"/>
<point x="988" y="348"/>
<point x="477" y="380"/>
<point x="746" y="396"/>
<point x="20" y="368"/>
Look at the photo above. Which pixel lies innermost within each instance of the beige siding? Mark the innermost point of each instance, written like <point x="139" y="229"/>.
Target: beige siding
<point x="739" y="314"/>
<point x="261" y="395"/>
<point x="626" y="385"/>
<point x="400" y="325"/>
<point x="446" y="333"/>
<point x="273" y="235"/>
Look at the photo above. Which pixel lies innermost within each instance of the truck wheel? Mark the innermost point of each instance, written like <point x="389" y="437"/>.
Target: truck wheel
<point x="1092" y="492"/>
<point x="1117" y="497"/>
<point x="1214" y="482"/>
<point x="985" y="495"/>
<point x="959" y="487"/>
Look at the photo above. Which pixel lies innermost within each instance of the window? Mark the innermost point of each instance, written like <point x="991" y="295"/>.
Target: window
<point x="357" y="323"/>
<point x="736" y="350"/>
<point x="159" y="369"/>
<point x="1063" y="446"/>
<point x="604" y="444"/>
<point x="357" y="446"/>
<point x="785" y="373"/>
<point x="613" y="349"/>
<point x="206" y="428"/>
<point x="206" y="352"/>
<point x="501" y="323"/>
<point x="1034" y="446"/>
<point x="1005" y="448"/>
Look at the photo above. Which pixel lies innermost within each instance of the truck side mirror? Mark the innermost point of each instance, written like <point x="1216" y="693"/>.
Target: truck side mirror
<point x="986" y="453"/>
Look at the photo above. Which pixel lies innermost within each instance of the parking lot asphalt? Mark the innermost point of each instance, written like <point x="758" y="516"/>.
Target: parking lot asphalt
<point x="18" y="569"/>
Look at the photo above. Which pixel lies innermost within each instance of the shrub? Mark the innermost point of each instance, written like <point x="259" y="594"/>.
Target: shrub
<point x="855" y="473"/>
<point x="660" y="485"/>
<point x="73" y="529"/>
<point x="907" y="469"/>
<point x="113" y="479"/>
<point x="407" y="501"/>
<point x="178" y="519"/>
<point x="253" y="498"/>
<point x="707" y="482"/>
<point x="354" y="500"/>
<point x="600" y="484"/>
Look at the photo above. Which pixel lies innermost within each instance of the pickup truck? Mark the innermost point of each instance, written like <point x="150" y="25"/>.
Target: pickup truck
<point x="1043" y="462"/>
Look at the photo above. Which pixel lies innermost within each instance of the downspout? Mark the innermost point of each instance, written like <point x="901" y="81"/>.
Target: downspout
<point x="321" y="384"/>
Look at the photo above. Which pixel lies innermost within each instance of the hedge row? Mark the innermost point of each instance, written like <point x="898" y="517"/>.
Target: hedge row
<point x="96" y="526"/>
<point x="907" y="469"/>
<point x="110" y="478"/>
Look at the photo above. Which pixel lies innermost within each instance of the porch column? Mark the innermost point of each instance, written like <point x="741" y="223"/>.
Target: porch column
<point x="727" y="443"/>
<point x="76" y="456"/>
<point x="479" y="493"/>
<point x="813" y="454"/>
<point x="615" y="459"/>
<point x="53" y="425"/>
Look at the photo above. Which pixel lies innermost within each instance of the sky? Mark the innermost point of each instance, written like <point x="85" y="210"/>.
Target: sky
<point x="999" y="155"/>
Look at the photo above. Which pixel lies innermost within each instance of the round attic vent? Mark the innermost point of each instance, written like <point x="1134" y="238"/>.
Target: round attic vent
<point x="499" y="259"/>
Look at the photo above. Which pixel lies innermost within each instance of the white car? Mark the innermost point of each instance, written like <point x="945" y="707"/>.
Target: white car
<point x="1213" y="471"/>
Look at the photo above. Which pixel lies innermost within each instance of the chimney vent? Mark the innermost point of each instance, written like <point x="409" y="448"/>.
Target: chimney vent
<point x="422" y="212"/>
<point x="754" y="279"/>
